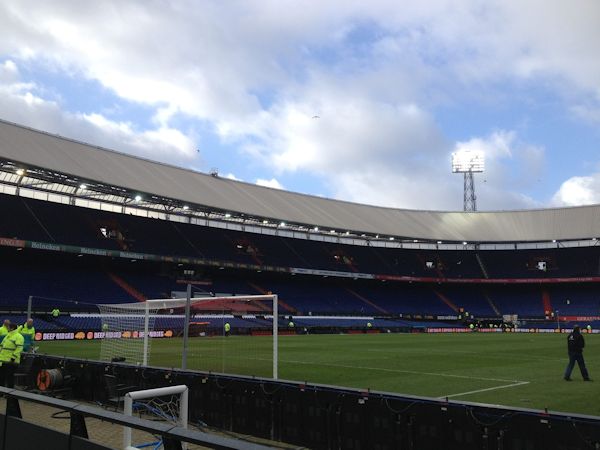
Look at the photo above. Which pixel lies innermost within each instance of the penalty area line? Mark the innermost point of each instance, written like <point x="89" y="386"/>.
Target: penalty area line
<point x="412" y="372"/>
<point x="518" y="383"/>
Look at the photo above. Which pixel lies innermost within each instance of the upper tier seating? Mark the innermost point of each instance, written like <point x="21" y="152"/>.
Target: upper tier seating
<point x="56" y="223"/>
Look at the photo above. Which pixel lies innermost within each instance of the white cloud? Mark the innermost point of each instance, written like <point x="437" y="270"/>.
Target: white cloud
<point x="9" y="73"/>
<point x="348" y="132"/>
<point x="159" y="143"/>
<point x="497" y="145"/>
<point x="383" y="154"/>
<point x="259" y="71"/>
<point x="365" y="150"/>
<point x="583" y="190"/>
<point x="210" y="59"/>
<point x="589" y="112"/>
<point x="272" y="183"/>
<point x="231" y="176"/>
<point x="24" y="104"/>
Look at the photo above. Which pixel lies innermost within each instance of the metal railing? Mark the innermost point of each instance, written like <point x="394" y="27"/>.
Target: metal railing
<point x="77" y="438"/>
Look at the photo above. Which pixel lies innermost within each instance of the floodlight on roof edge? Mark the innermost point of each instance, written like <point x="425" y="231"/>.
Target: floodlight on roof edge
<point x="468" y="162"/>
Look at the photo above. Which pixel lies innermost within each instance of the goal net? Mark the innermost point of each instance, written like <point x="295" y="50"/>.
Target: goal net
<point x="235" y="335"/>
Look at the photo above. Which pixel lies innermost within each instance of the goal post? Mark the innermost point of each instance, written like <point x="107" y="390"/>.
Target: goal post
<point x="237" y="329"/>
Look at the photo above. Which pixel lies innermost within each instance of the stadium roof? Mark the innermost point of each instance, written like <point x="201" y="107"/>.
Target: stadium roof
<point x="34" y="149"/>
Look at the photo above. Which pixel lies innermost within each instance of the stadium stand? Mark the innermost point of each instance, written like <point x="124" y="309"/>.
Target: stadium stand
<point x="77" y="283"/>
<point x="56" y="223"/>
<point x="50" y="281"/>
<point x="90" y="255"/>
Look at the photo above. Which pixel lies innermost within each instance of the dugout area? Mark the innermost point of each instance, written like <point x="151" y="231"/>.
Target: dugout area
<point x="310" y="415"/>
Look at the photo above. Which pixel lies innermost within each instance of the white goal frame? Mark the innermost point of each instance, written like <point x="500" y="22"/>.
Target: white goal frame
<point x="181" y="389"/>
<point x="148" y="308"/>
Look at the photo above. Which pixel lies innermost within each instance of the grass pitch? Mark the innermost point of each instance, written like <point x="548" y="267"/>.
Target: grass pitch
<point x="523" y="370"/>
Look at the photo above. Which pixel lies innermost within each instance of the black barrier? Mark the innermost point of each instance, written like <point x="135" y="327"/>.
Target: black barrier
<point x="326" y="417"/>
<point x="17" y="433"/>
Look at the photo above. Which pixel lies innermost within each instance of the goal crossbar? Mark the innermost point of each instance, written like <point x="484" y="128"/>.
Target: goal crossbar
<point x="165" y="303"/>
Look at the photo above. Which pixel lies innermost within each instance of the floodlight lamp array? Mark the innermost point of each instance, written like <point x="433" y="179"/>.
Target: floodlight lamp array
<point x="465" y="161"/>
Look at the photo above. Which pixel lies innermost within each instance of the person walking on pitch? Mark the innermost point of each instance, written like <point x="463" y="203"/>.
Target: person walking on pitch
<point x="575" y="345"/>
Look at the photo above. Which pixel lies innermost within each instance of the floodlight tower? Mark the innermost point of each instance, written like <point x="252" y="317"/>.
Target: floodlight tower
<point x="468" y="162"/>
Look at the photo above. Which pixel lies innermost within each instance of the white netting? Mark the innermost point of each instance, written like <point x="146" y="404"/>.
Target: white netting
<point x="163" y="409"/>
<point x="226" y="334"/>
<point x="167" y="404"/>
<point x="124" y="326"/>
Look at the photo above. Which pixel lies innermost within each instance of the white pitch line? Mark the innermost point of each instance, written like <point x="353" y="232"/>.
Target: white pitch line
<point x="519" y="383"/>
<point x="466" y="352"/>
<point x="414" y="372"/>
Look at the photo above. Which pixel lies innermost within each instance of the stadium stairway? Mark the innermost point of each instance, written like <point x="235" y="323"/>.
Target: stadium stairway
<point x="491" y="302"/>
<point x="291" y="248"/>
<point x="367" y="301"/>
<point x="446" y="300"/>
<point x="547" y="302"/>
<point x="183" y="236"/>
<point x="280" y="302"/>
<point x="481" y="266"/>
<point x="39" y="222"/>
<point x="127" y="287"/>
<point x="373" y="258"/>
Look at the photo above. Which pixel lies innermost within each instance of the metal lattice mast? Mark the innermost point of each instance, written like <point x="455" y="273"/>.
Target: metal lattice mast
<point x="469" y="197"/>
<point x="468" y="162"/>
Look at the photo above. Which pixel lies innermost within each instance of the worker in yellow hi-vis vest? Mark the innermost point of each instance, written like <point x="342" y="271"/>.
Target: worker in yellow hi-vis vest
<point x="10" y="356"/>
<point x="227" y="328"/>
<point x="4" y="330"/>
<point x="28" y="332"/>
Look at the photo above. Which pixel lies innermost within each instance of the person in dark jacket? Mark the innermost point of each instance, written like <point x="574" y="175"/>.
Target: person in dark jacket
<point x="575" y="345"/>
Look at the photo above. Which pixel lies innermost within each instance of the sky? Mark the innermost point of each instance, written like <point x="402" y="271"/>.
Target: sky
<point x="353" y="100"/>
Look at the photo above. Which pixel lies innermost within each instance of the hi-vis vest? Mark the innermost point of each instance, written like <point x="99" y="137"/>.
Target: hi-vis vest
<point x="12" y="345"/>
<point x="23" y="329"/>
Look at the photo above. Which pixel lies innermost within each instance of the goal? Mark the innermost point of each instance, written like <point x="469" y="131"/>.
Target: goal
<point x="236" y="334"/>
<point x="167" y="404"/>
